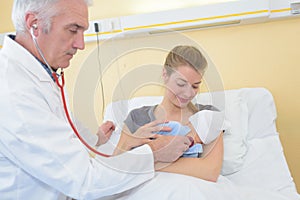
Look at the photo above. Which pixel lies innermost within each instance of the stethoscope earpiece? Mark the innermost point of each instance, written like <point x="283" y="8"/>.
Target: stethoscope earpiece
<point x="33" y="27"/>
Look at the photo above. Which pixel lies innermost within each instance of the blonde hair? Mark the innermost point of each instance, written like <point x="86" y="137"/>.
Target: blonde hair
<point x="185" y="55"/>
<point x="188" y="56"/>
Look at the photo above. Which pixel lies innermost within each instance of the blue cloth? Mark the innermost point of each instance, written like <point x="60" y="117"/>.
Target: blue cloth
<point x="179" y="129"/>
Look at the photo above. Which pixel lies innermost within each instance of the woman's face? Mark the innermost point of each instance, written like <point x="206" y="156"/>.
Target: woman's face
<point x="182" y="85"/>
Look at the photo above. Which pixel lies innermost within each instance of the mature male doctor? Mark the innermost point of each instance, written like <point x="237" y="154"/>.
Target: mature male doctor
<point x="40" y="157"/>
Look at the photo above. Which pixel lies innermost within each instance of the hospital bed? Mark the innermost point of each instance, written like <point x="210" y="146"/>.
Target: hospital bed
<point x="254" y="165"/>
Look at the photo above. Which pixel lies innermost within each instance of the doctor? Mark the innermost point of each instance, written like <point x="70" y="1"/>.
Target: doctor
<point x="40" y="158"/>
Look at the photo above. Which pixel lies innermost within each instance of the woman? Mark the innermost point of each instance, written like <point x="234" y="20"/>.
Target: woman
<point x="182" y="75"/>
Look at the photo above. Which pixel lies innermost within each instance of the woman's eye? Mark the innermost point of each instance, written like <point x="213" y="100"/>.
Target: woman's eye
<point x="180" y="84"/>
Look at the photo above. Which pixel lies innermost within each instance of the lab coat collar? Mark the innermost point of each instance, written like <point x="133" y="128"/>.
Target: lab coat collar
<point x="24" y="57"/>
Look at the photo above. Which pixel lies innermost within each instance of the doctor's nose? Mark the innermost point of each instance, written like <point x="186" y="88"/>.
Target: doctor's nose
<point x="79" y="41"/>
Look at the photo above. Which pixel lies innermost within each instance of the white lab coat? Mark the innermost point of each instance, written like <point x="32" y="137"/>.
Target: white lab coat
<point x="39" y="156"/>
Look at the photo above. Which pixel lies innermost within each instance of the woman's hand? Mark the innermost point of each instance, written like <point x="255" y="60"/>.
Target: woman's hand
<point x="149" y="130"/>
<point x="194" y="134"/>
<point x="143" y="135"/>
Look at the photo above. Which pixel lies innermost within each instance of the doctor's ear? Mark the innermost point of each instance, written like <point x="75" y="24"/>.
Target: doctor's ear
<point x="31" y="22"/>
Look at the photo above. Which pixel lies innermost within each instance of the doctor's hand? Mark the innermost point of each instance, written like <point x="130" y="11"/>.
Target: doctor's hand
<point x="168" y="148"/>
<point x="104" y="132"/>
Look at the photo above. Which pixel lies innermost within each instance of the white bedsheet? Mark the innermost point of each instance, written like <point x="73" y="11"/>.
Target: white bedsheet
<point x="167" y="186"/>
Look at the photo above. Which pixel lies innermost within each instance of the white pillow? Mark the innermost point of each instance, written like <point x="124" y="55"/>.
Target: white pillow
<point x="262" y="112"/>
<point x="235" y="146"/>
<point x="236" y="113"/>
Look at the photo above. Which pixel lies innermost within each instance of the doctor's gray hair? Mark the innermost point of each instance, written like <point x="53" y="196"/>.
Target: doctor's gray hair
<point x="45" y="10"/>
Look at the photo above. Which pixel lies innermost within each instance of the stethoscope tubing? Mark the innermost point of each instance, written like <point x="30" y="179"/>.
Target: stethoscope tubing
<point x="61" y="87"/>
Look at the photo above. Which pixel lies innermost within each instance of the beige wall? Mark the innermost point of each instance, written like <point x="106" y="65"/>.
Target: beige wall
<point x="257" y="55"/>
<point x="5" y="16"/>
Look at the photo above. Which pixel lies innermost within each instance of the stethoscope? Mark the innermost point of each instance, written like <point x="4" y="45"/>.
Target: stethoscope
<point x="61" y="87"/>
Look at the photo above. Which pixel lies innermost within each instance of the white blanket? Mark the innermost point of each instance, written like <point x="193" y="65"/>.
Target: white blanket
<point x="168" y="186"/>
